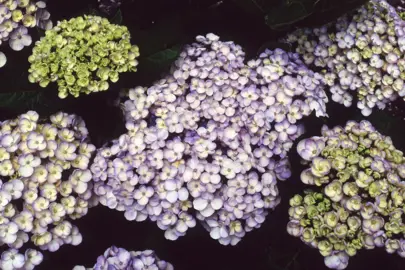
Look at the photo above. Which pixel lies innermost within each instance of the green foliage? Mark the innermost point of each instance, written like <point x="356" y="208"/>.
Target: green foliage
<point x="117" y="18"/>
<point x="284" y="14"/>
<point x="24" y="100"/>
<point x="163" y="58"/>
<point x="289" y="13"/>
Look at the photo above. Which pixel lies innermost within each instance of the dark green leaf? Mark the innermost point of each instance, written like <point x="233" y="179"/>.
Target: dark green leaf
<point x="251" y="6"/>
<point x="164" y="57"/>
<point x="161" y="36"/>
<point x="22" y="100"/>
<point x="94" y="12"/>
<point x="294" y="11"/>
<point x="117" y="18"/>
<point x="41" y="32"/>
<point x="296" y="265"/>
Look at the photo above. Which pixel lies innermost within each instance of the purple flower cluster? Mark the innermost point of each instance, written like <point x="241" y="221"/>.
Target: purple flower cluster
<point x="33" y="157"/>
<point x="121" y="259"/>
<point x="361" y="53"/>
<point x="211" y="137"/>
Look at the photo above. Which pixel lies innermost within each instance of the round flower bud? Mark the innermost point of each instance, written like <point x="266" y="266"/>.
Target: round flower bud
<point x="294" y="228"/>
<point x="320" y="167"/>
<point x="296" y="200"/>
<point x="331" y="219"/>
<point x="325" y="247"/>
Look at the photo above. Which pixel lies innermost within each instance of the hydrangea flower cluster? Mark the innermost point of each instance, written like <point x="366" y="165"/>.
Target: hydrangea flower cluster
<point x="121" y="259"/>
<point x="16" y="16"/>
<point x="11" y="259"/>
<point x="44" y="181"/>
<point x="361" y="53"/>
<point x="82" y="55"/>
<point x="211" y="137"/>
<point x="361" y="205"/>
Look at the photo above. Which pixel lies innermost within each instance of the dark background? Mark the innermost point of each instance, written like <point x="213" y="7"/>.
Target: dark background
<point x="160" y="28"/>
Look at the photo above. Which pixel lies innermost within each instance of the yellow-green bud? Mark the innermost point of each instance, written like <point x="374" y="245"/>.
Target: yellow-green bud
<point x="325" y="247"/>
<point x="17" y="15"/>
<point x="296" y="200"/>
<point x="341" y="230"/>
<point x="308" y="235"/>
<point x="350" y="189"/>
<point x="331" y="219"/>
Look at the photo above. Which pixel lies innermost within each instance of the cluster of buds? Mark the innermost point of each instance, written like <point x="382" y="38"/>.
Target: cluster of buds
<point x="16" y="16"/>
<point x="360" y="53"/>
<point x="361" y="205"/>
<point x="11" y="259"/>
<point x="202" y="139"/>
<point x="82" y="55"/>
<point x="44" y="181"/>
<point x="121" y="259"/>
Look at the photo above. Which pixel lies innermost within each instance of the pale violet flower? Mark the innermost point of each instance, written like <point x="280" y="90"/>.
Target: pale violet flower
<point x="20" y="39"/>
<point x="339" y="260"/>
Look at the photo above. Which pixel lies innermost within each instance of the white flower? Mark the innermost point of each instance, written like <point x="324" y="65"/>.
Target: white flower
<point x="20" y="38"/>
<point x="36" y="141"/>
<point x="27" y="164"/>
<point x="3" y="59"/>
<point x="8" y="232"/>
<point x="5" y="198"/>
<point x="143" y="194"/>
<point x="79" y="180"/>
<point x="6" y="168"/>
<point x="33" y="256"/>
<point x="40" y="174"/>
<point x="207" y="207"/>
<point x="54" y="172"/>
<point x="40" y="204"/>
<point x="14" y="188"/>
<point x="30" y="196"/>
<point x="24" y="221"/>
<point x="66" y="151"/>
<point x="338" y="260"/>
<point x="11" y="259"/>
<point x="63" y="229"/>
<point x="230" y="168"/>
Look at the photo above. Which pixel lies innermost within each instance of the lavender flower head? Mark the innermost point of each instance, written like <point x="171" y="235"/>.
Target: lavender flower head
<point x="361" y="52"/>
<point x="121" y="259"/>
<point x="33" y="156"/>
<point x="213" y="137"/>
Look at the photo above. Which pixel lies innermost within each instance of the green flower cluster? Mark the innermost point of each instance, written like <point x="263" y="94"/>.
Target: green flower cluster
<point x="82" y="55"/>
<point x="362" y="200"/>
